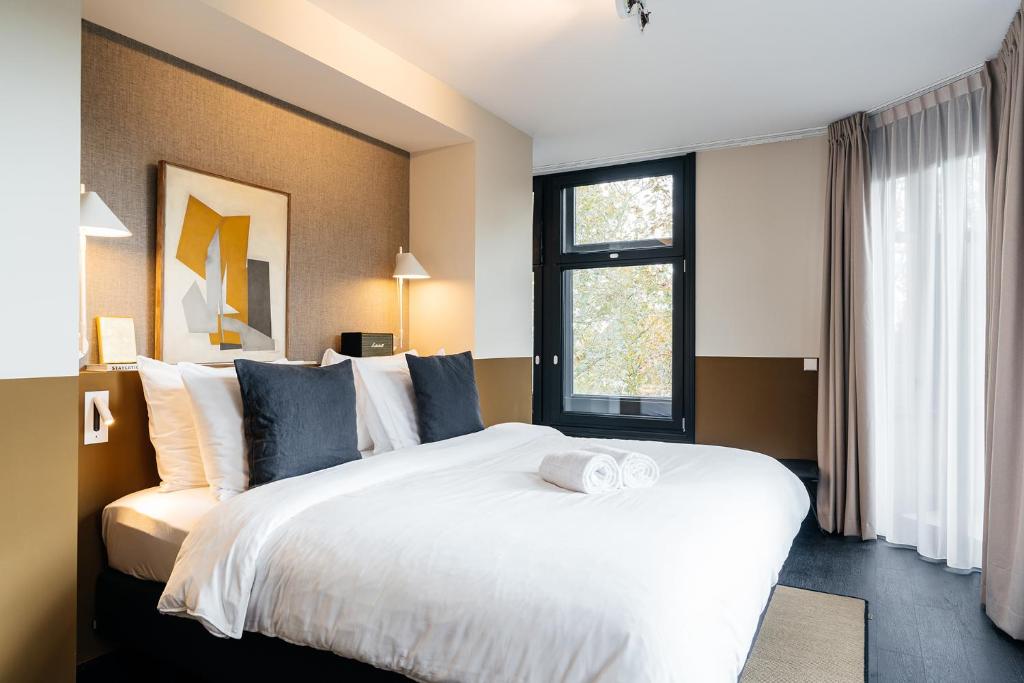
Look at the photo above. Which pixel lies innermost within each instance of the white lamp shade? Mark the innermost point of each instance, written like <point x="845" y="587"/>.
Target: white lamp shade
<point x="408" y="268"/>
<point x="97" y="220"/>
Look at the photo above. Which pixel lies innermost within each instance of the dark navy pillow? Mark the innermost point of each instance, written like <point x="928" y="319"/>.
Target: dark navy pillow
<point x="447" y="402"/>
<point x="297" y="419"/>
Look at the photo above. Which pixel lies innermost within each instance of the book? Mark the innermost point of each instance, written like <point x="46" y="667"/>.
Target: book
<point x="116" y="340"/>
<point x="112" y="367"/>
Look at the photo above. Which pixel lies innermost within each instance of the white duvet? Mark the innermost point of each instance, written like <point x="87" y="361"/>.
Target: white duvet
<point x="454" y="561"/>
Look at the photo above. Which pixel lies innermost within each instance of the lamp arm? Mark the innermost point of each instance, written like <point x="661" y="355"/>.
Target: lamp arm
<point x="401" y="313"/>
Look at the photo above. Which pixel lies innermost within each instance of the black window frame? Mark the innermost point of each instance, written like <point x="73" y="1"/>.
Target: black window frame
<point x="550" y="264"/>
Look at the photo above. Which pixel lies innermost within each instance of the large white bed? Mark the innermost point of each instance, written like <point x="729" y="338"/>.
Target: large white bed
<point x="455" y="561"/>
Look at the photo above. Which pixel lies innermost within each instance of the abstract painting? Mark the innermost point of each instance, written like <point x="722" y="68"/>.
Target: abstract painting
<point x="222" y="268"/>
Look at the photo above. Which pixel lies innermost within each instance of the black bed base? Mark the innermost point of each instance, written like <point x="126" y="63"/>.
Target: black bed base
<point x="126" y="613"/>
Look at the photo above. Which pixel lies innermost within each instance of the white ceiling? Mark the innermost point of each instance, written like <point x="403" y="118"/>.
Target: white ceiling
<point x="588" y="86"/>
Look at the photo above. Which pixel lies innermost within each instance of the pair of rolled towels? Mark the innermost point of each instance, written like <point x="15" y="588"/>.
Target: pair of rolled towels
<point x="599" y="469"/>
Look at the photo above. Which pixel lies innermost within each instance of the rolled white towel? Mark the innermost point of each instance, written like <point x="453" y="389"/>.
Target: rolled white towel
<point x="582" y="471"/>
<point x="637" y="470"/>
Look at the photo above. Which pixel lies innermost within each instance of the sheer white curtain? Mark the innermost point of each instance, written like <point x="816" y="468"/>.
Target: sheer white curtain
<point x="926" y="313"/>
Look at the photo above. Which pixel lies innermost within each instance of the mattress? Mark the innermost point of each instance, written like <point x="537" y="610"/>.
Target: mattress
<point x="143" y="531"/>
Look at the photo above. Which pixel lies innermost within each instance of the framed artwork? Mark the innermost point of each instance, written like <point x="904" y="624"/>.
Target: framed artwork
<point x="221" y="268"/>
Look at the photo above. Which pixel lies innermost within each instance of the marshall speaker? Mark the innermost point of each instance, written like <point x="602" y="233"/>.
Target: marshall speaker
<point x="361" y="344"/>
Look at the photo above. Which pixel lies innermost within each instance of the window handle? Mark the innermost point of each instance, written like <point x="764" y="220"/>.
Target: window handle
<point x="536" y="360"/>
<point x="556" y="360"/>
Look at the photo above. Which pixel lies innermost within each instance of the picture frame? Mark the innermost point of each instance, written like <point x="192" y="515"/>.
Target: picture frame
<point x="209" y="223"/>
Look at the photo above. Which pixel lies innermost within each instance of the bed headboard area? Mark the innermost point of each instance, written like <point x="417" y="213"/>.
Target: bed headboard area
<point x="349" y="214"/>
<point x="106" y="472"/>
<point x="127" y="463"/>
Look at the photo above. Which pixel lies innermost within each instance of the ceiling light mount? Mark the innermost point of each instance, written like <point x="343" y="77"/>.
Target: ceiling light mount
<point x="634" y="8"/>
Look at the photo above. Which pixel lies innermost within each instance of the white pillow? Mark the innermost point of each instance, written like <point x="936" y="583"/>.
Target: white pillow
<point x="392" y="415"/>
<point x="216" y="402"/>
<point x="364" y="441"/>
<point x="171" y="428"/>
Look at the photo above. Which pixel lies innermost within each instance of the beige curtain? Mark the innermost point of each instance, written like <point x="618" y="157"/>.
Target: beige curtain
<point x="844" y="495"/>
<point x="1003" y="565"/>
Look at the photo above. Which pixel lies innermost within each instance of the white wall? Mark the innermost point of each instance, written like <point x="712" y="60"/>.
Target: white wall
<point x="760" y="231"/>
<point x="40" y="74"/>
<point x="504" y="243"/>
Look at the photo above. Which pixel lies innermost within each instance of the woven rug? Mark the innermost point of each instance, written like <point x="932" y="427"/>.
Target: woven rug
<point x="809" y="636"/>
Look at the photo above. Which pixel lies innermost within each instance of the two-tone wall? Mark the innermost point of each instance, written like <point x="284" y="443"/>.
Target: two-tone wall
<point x="760" y="231"/>
<point x="39" y="139"/>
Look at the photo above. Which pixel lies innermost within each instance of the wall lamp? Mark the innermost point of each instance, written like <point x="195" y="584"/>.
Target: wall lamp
<point x="406" y="268"/>
<point x="101" y="411"/>
<point x="95" y="219"/>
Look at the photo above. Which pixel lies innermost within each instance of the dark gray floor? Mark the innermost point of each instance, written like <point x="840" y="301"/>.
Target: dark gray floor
<point x="926" y="623"/>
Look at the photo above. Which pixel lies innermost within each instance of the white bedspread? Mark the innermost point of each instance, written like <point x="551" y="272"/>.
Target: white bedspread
<point x="455" y="561"/>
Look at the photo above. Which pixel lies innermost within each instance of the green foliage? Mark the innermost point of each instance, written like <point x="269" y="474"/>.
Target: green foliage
<point x="624" y="211"/>
<point x="622" y="316"/>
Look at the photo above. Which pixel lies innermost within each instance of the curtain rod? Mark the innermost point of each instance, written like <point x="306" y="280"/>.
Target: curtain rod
<point x="927" y="89"/>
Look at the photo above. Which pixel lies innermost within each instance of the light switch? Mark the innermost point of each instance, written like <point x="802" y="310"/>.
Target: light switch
<point x="94" y="426"/>
<point x="811" y="364"/>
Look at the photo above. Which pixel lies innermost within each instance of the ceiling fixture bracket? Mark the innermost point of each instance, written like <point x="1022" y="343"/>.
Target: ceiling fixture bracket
<point x="634" y="8"/>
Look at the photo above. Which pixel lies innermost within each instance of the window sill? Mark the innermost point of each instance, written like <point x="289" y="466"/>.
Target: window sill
<point x="618" y="433"/>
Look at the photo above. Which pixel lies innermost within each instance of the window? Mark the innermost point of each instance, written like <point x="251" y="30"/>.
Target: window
<point x="614" y="323"/>
<point x="623" y="214"/>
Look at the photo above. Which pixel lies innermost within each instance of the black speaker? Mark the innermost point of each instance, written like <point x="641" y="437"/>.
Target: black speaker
<point x="362" y="344"/>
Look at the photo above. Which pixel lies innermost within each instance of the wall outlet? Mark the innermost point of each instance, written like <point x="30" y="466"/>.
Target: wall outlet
<point x="91" y="434"/>
<point x="811" y="364"/>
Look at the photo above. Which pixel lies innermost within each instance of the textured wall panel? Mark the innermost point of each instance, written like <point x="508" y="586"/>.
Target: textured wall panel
<point x="350" y="194"/>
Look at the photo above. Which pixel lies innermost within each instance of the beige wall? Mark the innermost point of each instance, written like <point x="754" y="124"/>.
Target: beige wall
<point x="442" y="210"/>
<point x="504" y="242"/>
<point x="349" y="193"/>
<point x="760" y="229"/>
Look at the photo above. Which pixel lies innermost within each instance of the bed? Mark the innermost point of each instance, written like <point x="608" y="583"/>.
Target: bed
<point x="143" y="531"/>
<point x="455" y="561"/>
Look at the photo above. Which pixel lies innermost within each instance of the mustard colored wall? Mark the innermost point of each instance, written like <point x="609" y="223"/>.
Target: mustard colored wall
<point x="38" y="494"/>
<point x="506" y="389"/>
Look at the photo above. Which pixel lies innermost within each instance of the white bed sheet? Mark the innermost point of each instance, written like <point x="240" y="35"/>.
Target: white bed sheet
<point x="144" y="530"/>
<point x="454" y="561"/>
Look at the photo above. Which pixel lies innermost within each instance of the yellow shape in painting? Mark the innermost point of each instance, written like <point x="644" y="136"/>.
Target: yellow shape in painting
<point x="197" y="231"/>
<point x="234" y="251"/>
<point x="200" y="225"/>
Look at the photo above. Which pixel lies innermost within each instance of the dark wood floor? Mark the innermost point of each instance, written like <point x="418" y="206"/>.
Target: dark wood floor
<point x="926" y="624"/>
